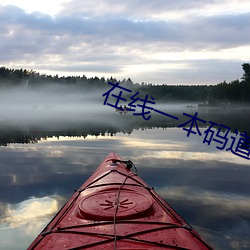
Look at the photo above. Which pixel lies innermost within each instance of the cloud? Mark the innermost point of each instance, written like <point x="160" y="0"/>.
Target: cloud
<point x="141" y="10"/>
<point x="86" y="37"/>
<point x="26" y="220"/>
<point x="123" y="30"/>
<point x="233" y="204"/>
<point x="29" y="210"/>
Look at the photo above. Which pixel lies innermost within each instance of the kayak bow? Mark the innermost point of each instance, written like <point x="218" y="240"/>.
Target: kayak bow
<point x="116" y="209"/>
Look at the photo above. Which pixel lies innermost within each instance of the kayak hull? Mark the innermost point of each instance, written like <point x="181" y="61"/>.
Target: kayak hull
<point x="116" y="209"/>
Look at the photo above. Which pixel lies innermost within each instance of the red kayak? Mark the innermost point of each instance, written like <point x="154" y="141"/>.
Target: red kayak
<point x="116" y="209"/>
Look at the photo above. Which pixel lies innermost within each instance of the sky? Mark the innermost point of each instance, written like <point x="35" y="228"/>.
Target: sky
<point x="159" y="42"/>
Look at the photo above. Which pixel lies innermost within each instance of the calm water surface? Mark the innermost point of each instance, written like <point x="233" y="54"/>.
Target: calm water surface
<point x="42" y="165"/>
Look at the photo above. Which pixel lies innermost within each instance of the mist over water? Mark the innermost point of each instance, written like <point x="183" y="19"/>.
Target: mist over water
<point x="30" y="114"/>
<point x="51" y="103"/>
<point x="61" y="103"/>
<point x="58" y="106"/>
<point x="57" y="110"/>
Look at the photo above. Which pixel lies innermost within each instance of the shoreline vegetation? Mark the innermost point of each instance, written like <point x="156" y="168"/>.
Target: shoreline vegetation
<point x="231" y="95"/>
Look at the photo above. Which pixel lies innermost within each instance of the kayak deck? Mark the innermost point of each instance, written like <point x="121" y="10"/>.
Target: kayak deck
<point x="116" y="209"/>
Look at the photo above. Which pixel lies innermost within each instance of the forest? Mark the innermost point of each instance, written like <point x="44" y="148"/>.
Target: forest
<point x="224" y="93"/>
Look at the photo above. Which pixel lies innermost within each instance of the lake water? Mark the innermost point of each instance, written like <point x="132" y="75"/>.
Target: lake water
<point x="44" y="161"/>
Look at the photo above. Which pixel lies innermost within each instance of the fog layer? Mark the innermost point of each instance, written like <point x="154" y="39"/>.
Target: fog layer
<point x="49" y="103"/>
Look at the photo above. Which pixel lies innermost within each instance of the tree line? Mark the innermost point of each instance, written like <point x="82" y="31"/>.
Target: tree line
<point x="236" y="91"/>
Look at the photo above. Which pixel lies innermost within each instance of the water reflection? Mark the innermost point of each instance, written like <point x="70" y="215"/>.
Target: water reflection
<point x="111" y="123"/>
<point x="21" y="221"/>
<point x="208" y="187"/>
<point x="31" y="210"/>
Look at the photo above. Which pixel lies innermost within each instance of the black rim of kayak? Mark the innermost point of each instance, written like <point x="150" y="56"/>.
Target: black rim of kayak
<point x="114" y="237"/>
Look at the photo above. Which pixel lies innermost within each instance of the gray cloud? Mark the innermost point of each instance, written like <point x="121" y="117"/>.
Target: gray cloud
<point x="106" y="40"/>
<point x="83" y="68"/>
<point x="133" y="8"/>
<point x="225" y="29"/>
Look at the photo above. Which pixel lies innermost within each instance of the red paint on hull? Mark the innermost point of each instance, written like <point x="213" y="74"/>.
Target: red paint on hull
<point x="116" y="209"/>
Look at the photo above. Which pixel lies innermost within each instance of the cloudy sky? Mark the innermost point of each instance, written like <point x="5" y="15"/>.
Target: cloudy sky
<point x="158" y="41"/>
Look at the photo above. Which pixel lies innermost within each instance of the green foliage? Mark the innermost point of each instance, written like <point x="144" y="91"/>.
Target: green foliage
<point x="246" y="75"/>
<point x="222" y="93"/>
<point x="234" y="92"/>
